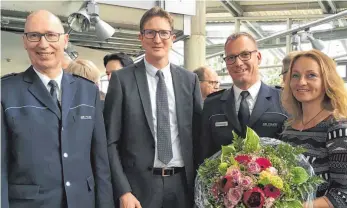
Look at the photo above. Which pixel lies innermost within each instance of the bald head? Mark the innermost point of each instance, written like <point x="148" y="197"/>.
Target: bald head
<point x="43" y="15"/>
<point x="44" y="40"/>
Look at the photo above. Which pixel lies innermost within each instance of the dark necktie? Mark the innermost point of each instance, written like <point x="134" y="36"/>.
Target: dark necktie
<point x="54" y="91"/>
<point x="244" y="112"/>
<point x="164" y="146"/>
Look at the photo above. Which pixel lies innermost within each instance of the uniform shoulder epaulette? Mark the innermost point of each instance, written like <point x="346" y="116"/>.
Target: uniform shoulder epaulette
<point x="83" y="78"/>
<point x="8" y="76"/>
<point x="216" y="93"/>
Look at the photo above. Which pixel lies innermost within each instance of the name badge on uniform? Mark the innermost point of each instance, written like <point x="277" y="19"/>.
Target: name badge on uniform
<point x="270" y="124"/>
<point x="86" y="117"/>
<point x="222" y="123"/>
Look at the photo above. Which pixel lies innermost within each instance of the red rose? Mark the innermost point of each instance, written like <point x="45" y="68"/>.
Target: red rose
<point x="243" y="159"/>
<point x="263" y="162"/>
<point x="271" y="191"/>
<point x="254" y="198"/>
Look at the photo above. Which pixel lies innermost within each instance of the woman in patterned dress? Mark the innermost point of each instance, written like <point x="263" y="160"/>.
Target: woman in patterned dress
<point x="315" y="97"/>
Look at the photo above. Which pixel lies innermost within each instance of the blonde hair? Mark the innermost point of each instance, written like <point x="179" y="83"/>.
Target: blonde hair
<point x="335" y="98"/>
<point x="84" y="68"/>
<point x="287" y="60"/>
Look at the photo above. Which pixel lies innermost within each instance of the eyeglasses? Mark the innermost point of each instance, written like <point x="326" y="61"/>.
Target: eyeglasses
<point x="36" y="37"/>
<point x="163" y="34"/>
<point x="211" y="82"/>
<point x="244" y="56"/>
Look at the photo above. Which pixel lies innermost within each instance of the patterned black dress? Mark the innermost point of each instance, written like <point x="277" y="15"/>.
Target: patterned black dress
<point x="327" y="153"/>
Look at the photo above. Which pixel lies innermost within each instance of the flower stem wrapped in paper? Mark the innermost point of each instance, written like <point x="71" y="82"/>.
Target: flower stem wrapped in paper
<point x="256" y="172"/>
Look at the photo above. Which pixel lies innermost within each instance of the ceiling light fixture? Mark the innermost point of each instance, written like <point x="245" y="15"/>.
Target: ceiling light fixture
<point x="89" y="14"/>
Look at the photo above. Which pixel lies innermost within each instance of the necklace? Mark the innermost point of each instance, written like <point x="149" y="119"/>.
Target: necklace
<point x="304" y="124"/>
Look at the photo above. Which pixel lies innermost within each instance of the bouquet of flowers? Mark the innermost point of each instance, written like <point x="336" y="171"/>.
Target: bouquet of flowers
<point x="255" y="172"/>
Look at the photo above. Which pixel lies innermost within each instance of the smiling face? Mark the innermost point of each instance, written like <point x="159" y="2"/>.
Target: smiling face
<point x="306" y="81"/>
<point x="157" y="48"/>
<point x="244" y="73"/>
<point x="45" y="55"/>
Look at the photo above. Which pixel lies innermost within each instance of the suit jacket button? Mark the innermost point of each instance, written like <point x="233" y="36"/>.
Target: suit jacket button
<point x="149" y="168"/>
<point x="153" y="146"/>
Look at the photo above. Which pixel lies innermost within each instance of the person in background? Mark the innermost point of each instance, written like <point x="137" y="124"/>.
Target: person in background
<point x="209" y="81"/>
<point x="286" y="64"/>
<point x="66" y="61"/>
<point x="249" y="102"/>
<point x="315" y="97"/>
<point x="86" y="69"/>
<point x="151" y="109"/>
<point x="116" y="61"/>
<point x="53" y="141"/>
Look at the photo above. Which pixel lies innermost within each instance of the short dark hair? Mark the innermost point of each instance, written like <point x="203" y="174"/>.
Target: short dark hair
<point x="235" y="36"/>
<point x="124" y="59"/>
<point x="200" y="72"/>
<point x="156" y="12"/>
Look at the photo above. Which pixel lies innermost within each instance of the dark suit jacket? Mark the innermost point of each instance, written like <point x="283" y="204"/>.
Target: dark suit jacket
<point x="36" y="136"/>
<point x="219" y="119"/>
<point x="129" y="127"/>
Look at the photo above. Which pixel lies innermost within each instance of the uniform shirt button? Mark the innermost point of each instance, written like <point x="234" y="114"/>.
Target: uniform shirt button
<point x="66" y="155"/>
<point x="68" y="183"/>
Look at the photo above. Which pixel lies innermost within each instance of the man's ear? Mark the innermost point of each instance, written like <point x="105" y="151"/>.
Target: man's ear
<point x="24" y="42"/>
<point x="259" y="57"/>
<point x="139" y="36"/>
<point x="66" y="40"/>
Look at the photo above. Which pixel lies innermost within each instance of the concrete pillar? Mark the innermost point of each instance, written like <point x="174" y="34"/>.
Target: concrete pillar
<point x="237" y="25"/>
<point x="195" y="45"/>
<point x="289" y="47"/>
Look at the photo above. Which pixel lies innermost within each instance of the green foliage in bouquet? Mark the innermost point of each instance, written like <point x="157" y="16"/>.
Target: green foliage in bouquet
<point x="247" y="168"/>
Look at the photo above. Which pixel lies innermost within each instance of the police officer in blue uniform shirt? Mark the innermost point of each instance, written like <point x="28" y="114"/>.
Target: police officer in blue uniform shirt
<point x="53" y="142"/>
<point x="249" y="102"/>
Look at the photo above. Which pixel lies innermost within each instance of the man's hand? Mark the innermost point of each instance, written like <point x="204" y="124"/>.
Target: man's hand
<point x="128" y="200"/>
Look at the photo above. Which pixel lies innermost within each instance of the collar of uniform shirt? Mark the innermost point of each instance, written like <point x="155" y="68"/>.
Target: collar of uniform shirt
<point x="152" y="70"/>
<point x="45" y="79"/>
<point x="253" y="91"/>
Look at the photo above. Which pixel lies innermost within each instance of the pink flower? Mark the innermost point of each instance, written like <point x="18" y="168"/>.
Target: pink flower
<point x="233" y="197"/>
<point x="235" y="173"/>
<point x="269" y="202"/>
<point x="243" y="159"/>
<point x="271" y="191"/>
<point x="253" y="168"/>
<point x="227" y="183"/>
<point x="246" y="182"/>
<point x="254" y="198"/>
<point x="215" y="191"/>
<point x="263" y="163"/>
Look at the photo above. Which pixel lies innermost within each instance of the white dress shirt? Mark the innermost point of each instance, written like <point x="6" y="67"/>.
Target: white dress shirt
<point x="152" y="79"/>
<point x="45" y="79"/>
<point x="251" y="99"/>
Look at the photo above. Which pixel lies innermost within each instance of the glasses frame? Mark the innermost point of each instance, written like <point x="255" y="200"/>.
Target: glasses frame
<point x="43" y="34"/>
<point x="238" y="56"/>
<point x="156" y="32"/>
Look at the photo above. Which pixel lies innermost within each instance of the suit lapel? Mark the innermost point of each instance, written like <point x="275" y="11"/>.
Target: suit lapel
<point x="261" y="105"/>
<point x="230" y="109"/>
<point x="141" y="80"/>
<point x="68" y="93"/>
<point x="179" y="97"/>
<point x="40" y="92"/>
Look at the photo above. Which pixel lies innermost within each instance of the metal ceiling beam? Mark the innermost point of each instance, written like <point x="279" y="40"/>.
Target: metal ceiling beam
<point x="265" y="18"/>
<point x="325" y="8"/>
<point x="333" y="6"/>
<point x="228" y="7"/>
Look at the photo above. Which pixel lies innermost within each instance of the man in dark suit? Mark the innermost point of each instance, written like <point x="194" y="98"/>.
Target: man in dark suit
<point x="116" y="61"/>
<point x="249" y="102"/>
<point x="53" y="142"/>
<point x="150" y="109"/>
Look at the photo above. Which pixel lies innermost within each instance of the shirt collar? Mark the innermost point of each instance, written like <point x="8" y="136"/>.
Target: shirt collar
<point x="152" y="70"/>
<point x="253" y="90"/>
<point x="45" y="79"/>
